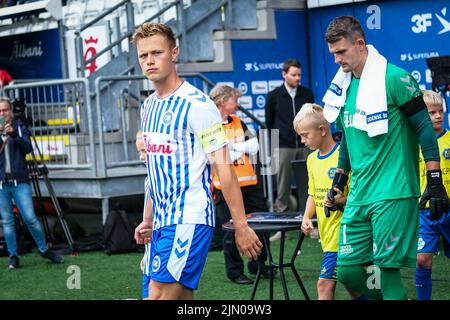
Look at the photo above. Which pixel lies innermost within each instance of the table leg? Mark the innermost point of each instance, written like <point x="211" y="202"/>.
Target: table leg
<point x="271" y="264"/>
<point x="281" y="266"/>
<point x="294" y="270"/>
<point x="258" y="276"/>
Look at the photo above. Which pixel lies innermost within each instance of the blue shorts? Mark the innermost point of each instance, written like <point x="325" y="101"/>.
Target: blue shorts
<point x="431" y="230"/>
<point x="178" y="253"/>
<point x="145" y="286"/>
<point x="329" y="266"/>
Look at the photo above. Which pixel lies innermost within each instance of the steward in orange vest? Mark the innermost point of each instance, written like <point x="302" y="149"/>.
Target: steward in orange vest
<point x="239" y="152"/>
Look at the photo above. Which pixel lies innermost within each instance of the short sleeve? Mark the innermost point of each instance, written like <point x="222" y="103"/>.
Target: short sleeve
<point x="403" y="87"/>
<point x="311" y="186"/>
<point x="206" y="124"/>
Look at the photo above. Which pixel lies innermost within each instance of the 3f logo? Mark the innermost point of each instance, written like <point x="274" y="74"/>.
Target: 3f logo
<point x="422" y="22"/>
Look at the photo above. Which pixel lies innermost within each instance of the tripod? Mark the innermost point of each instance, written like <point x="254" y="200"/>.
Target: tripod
<point x="40" y="171"/>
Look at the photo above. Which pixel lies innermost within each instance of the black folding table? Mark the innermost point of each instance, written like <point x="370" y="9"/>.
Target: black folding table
<point x="266" y="228"/>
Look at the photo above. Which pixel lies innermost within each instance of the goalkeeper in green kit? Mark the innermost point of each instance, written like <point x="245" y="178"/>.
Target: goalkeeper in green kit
<point x="381" y="111"/>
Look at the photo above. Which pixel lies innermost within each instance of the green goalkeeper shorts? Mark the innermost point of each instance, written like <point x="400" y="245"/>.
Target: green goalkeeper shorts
<point x="384" y="232"/>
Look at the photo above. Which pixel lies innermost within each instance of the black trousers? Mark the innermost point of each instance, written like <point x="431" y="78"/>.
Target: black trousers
<point x="253" y="201"/>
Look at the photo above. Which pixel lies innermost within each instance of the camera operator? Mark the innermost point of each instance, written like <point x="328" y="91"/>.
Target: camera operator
<point x="15" y="144"/>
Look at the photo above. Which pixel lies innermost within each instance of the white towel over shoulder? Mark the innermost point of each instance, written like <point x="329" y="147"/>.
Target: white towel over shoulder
<point x="371" y="102"/>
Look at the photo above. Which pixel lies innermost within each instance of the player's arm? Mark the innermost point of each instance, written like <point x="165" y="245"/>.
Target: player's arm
<point x="208" y="129"/>
<point x="310" y="211"/>
<point x="408" y="96"/>
<point x="143" y="232"/>
<point x="246" y="239"/>
<point x="335" y="199"/>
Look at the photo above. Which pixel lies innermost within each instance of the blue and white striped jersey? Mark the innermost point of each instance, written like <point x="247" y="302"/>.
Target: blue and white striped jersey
<point x="179" y="131"/>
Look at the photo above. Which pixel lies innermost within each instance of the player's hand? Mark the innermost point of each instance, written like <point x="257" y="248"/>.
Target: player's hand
<point x="335" y="193"/>
<point x="436" y="194"/>
<point x="338" y="199"/>
<point x="146" y="234"/>
<point x="143" y="233"/>
<point x="248" y="243"/>
<point x="307" y="225"/>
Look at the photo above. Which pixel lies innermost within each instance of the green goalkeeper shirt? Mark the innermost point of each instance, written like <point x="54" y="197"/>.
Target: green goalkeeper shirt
<point x="384" y="167"/>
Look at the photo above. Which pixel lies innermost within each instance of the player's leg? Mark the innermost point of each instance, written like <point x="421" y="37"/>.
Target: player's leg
<point x="326" y="285"/>
<point x="325" y="289"/>
<point x="355" y="252"/>
<point x="178" y="257"/>
<point x="443" y="227"/>
<point x="169" y="291"/>
<point x="427" y="245"/>
<point x="145" y="286"/>
<point x="357" y="279"/>
<point x="395" y="232"/>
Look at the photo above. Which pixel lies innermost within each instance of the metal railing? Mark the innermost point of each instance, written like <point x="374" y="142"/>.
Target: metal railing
<point x="55" y="109"/>
<point x="69" y="137"/>
<point x="181" y="33"/>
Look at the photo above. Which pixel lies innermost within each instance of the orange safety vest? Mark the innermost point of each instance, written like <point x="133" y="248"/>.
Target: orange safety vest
<point x="242" y="167"/>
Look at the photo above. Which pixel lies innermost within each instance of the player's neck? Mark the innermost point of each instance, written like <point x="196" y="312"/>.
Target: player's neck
<point x="359" y="69"/>
<point x="438" y="132"/>
<point x="327" y="145"/>
<point x="167" y="86"/>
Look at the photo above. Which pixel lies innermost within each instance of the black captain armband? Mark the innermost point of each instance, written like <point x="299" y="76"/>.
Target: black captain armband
<point x="413" y="106"/>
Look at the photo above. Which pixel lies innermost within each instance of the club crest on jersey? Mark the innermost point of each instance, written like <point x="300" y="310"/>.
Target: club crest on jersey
<point x="159" y="144"/>
<point x="446" y="154"/>
<point x="156" y="264"/>
<point x="168" y="118"/>
<point x="331" y="173"/>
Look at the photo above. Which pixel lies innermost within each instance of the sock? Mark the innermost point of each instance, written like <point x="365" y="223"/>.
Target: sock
<point x="391" y="284"/>
<point x="423" y="283"/>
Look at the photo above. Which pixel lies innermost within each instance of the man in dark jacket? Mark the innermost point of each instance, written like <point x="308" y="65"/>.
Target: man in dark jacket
<point x="15" y="144"/>
<point x="282" y="105"/>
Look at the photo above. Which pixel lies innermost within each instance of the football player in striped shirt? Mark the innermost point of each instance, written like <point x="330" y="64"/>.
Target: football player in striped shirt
<point x="184" y="140"/>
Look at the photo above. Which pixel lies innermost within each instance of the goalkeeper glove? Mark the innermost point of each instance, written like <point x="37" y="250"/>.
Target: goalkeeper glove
<point x="435" y="193"/>
<point x="339" y="181"/>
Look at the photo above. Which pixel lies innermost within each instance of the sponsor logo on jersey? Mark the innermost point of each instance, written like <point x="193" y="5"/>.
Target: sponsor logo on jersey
<point x="335" y="89"/>
<point x="347" y="249"/>
<point x="156" y="264"/>
<point x="159" y="144"/>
